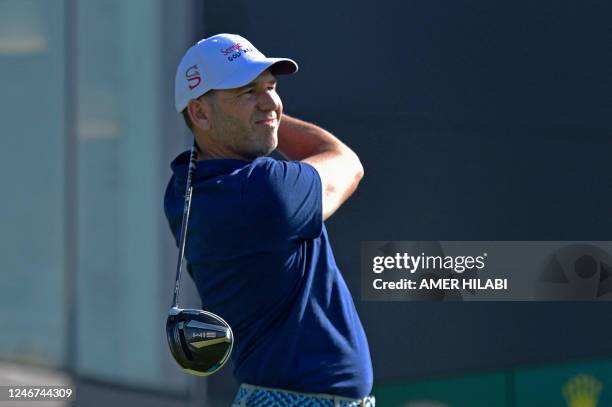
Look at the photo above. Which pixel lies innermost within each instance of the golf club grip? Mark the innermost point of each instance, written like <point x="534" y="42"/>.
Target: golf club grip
<point x="184" y="223"/>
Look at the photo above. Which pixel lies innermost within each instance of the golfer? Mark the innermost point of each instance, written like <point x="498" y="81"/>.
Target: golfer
<point x="257" y="248"/>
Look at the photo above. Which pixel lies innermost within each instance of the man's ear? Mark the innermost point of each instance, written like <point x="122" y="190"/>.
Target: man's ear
<point x="199" y="113"/>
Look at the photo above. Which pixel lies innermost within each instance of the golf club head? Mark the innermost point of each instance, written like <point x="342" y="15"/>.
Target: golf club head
<point x="200" y="341"/>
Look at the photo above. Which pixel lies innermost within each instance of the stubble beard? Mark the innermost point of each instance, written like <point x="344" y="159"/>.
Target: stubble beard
<point x="244" y="141"/>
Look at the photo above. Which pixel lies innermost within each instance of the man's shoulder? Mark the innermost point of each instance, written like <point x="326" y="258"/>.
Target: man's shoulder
<point x="279" y="183"/>
<point x="261" y="165"/>
<point x="286" y="195"/>
<point x="272" y="172"/>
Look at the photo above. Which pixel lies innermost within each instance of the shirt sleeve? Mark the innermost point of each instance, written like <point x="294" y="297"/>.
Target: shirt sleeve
<point x="284" y="199"/>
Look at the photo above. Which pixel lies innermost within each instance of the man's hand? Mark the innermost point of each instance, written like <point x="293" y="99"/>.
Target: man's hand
<point x="338" y="166"/>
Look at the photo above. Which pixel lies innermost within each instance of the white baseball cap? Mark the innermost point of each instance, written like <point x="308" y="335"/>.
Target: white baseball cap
<point x="223" y="61"/>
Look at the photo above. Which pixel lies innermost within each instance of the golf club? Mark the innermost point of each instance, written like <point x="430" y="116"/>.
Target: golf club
<point x="200" y="341"/>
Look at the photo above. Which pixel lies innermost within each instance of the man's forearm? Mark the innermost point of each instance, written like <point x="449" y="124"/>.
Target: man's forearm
<point x="337" y="165"/>
<point x="298" y="139"/>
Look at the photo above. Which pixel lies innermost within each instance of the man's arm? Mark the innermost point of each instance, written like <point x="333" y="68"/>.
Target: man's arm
<point x="338" y="166"/>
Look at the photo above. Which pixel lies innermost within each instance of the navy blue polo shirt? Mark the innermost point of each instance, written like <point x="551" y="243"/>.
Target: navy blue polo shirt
<point x="261" y="259"/>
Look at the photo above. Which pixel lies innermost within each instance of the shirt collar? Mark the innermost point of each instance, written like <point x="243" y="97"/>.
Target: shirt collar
<point x="205" y="169"/>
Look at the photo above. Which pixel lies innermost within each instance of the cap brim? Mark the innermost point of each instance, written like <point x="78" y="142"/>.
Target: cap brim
<point x="277" y="66"/>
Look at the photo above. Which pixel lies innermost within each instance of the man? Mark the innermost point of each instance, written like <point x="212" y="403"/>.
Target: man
<point x="257" y="248"/>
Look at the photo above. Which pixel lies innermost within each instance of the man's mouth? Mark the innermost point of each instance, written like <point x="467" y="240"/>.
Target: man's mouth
<point x="267" y="122"/>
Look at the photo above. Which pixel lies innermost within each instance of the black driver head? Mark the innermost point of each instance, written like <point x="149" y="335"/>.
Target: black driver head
<point x="200" y="341"/>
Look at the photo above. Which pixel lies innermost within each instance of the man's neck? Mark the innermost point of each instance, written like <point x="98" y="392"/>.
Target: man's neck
<point x="212" y="152"/>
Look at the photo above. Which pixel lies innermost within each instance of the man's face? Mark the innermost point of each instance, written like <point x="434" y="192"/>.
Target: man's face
<point x="245" y="120"/>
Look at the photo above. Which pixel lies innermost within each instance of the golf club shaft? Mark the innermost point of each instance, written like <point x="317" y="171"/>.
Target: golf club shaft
<point x="184" y="222"/>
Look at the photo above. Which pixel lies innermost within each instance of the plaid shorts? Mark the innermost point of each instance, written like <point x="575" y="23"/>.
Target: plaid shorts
<point x="255" y="396"/>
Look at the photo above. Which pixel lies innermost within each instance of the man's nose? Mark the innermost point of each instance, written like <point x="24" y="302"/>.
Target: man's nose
<point x="268" y="100"/>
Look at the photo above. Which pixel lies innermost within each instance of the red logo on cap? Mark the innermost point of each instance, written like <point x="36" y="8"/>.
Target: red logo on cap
<point x="192" y="75"/>
<point x="237" y="46"/>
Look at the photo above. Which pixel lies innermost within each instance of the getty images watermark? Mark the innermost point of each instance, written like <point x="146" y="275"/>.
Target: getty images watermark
<point x="496" y="270"/>
<point x="412" y="264"/>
